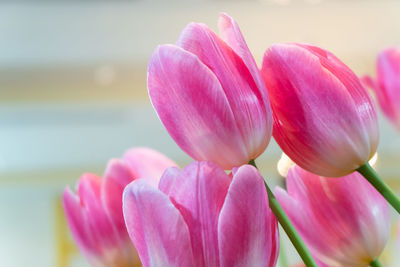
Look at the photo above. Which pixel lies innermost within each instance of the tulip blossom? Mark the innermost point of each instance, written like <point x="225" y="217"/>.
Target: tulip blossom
<point x="324" y="119"/>
<point x="387" y="85"/>
<point x="95" y="213"/>
<point x="200" y="216"/>
<point x="320" y="264"/>
<point x="344" y="221"/>
<point x="210" y="96"/>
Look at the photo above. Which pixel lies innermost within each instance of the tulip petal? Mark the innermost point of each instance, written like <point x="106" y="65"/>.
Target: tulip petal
<point x="147" y="163"/>
<point x="77" y="221"/>
<point x="90" y="225"/>
<point x="247" y="230"/>
<point x="369" y="82"/>
<point x="343" y="220"/>
<point x="117" y="176"/>
<point x="241" y="90"/>
<point x="388" y="72"/>
<point x="358" y="93"/>
<point x="318" y="102"/>
<point x="136" y="163"/>
<point x="156" y="227"/>
<point x="198" y="193"/>
<point x="167" y="183"/>
<point x="193" y="107"/>
<point x="231" y="34"/>
<point x="89" y="192"/>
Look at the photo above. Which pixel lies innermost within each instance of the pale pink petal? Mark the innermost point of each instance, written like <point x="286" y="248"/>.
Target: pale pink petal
<point x="343" y="220"/>
<point x="193" y="107"/>
<point x="147" y="163"/>
<point x="199" y="193"/>
<point x="247" y="230"/>
<point x="169" y="178"/>
<point x="325" y="121"/>
<point x="241" y="90"/>
<point x="156" y="227"/>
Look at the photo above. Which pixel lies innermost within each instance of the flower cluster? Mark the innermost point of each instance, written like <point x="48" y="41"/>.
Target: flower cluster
<point x="222" y="109"/>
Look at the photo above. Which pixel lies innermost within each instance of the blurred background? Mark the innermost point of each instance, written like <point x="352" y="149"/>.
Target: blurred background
<point x="73" y="95"/>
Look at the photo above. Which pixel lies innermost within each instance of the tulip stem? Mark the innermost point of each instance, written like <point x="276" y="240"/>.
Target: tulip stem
<point x="373" y="178"/>
<point x="287" y="225"/>
<point x="375" y="263"/>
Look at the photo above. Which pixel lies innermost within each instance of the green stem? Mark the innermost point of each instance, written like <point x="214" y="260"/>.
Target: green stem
<point x="375" y="263"/>
<point x="287" y="225"/>
<point x="373" y="178"/>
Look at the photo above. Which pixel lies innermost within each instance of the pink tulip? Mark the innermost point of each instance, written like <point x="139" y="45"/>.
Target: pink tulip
<point x="200" y="216"/>
<point x="95" y="213"/>
<point x="344" y="221"/>
<point x="320" y="264"/>
<point x="387" y="86"/>
<point x="209" y="94"/>
<point x="325" y="121"/>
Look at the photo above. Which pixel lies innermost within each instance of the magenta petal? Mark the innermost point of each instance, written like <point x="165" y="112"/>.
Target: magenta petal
<point x="156" y="227"/>
<point x="344" y="221"/>
<point x="325" y="121"/>
<point x="247" y="229"/>
<point x="89" y="192"/>
<point x="198" y="193"/>
<point x="77" y="221"/>
<point x="231" y="34"/>
<point x="147" y="163"/>
<point x="246" y="99"/>
<point x="193" y="107"/>
<point x="89" y="223"/>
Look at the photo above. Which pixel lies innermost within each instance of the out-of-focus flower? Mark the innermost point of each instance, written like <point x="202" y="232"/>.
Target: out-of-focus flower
<point x="324" y="119"/>
<point x="344" y="221"/>
<point x="387" y="85"/>
<point x="200" y="216"/>
<point x="210" y="96"/>
<point x="95" y="213"/>
<point x="320" y="264"/>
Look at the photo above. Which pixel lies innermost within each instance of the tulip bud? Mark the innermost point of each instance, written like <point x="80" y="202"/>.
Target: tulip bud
<point x="95" y="213"/>
<point x="324" y="119"/>
<point x="344" y="221"/>
<point x="387" y="86"/>
<point x="209" y="94"/>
